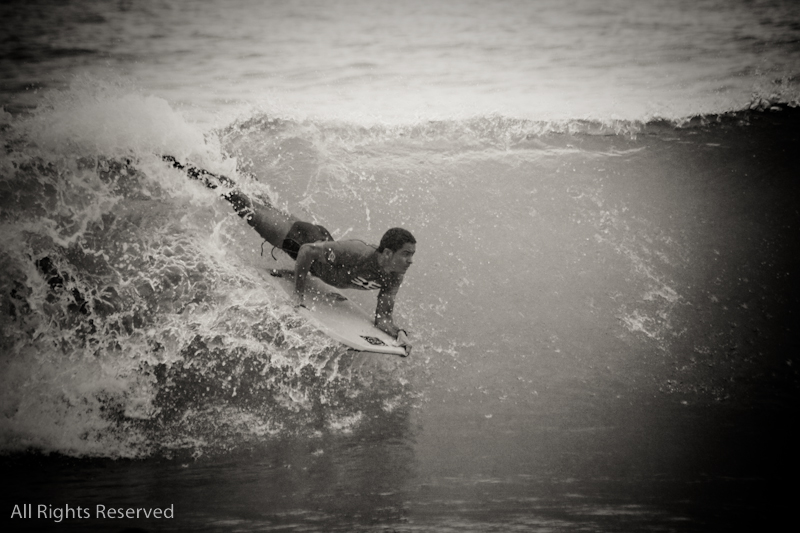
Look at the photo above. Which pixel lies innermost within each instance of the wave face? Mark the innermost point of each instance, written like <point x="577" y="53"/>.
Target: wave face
<point x="137" y="318"/>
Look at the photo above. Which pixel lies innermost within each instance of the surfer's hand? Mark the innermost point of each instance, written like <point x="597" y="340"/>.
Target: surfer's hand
<point x="402" y="340"/>
<point x="298" y="301"/>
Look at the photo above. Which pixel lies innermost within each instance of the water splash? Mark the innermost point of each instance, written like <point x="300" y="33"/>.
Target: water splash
<point x="134" y="320"/>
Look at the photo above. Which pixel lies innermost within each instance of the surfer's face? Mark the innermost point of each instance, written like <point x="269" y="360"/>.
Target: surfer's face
<point x="400" y="260"/>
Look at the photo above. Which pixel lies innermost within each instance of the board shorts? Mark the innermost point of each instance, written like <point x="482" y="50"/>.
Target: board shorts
<point x="303" y="233"/>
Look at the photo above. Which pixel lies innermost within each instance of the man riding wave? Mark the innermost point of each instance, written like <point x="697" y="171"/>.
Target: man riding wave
<point x="347" y="264"/>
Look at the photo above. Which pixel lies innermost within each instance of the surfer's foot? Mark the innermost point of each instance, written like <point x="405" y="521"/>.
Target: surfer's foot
<point x="240" y="202"/>
<point x="209" y="179"/>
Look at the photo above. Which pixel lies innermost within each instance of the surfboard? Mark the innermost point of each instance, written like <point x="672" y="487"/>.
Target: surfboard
<point x="331" y="312"/>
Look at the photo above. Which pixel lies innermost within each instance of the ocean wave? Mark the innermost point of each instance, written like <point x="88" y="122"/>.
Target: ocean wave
<point x="135" y="315"/>
<point x="135" y="320"/>
<point x="113" y="117"/>
<point x="269" y="131"/>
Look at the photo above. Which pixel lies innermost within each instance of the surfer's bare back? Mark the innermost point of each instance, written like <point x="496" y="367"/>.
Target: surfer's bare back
<point x="350" y="264"/>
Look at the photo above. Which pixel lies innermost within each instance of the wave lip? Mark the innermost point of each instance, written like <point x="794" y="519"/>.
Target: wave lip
<point x="476" y="133"/>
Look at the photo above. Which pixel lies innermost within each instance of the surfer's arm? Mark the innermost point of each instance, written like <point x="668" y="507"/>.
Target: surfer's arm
<point x="306" y="256"/>
<point x="385" y="307"/>
<point x="383" y="313"/>
<point x="383" y="317"/>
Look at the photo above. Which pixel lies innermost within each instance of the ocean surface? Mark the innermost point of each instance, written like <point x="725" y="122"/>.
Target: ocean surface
<point x="604" y="301"/>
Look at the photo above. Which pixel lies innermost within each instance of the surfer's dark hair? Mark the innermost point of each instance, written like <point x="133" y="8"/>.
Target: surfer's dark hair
<point x="396" y="238"/>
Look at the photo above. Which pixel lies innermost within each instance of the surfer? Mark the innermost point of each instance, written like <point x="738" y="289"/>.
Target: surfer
<point x="350" y="264"/>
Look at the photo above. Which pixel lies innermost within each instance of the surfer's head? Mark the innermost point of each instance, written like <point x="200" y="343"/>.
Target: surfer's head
<point x="395" y="238"/>
<point x="397" y="249"/>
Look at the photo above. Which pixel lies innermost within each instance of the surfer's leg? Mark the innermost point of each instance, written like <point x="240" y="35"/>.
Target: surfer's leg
<point x="272" y="224"/>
